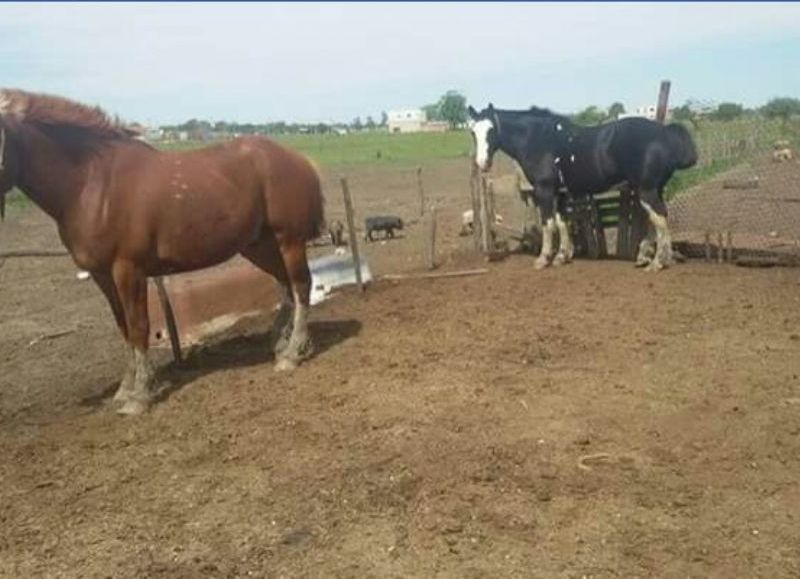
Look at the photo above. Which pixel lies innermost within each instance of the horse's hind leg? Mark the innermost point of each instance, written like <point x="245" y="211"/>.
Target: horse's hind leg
<point x="300" y="346"/>
<point x="266" y="256"/>
<point x="657" y="211"/>
<point x="106" y="284"/>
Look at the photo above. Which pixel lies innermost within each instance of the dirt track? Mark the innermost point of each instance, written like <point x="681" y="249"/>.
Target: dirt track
<point x="592" y="421"/>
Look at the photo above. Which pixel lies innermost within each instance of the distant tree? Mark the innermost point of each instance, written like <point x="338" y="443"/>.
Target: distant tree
<point x="615" y="110"/>
<point x="356" y="124"/>
<point x="727" y="112"/>
<point x="589" y="116"/>
<point x="370" y="124"/>
<point x="432" y="112"/>
<point x="453" y="108"/>
<point x="384" y="119"/>
<point x="781" y="108"/>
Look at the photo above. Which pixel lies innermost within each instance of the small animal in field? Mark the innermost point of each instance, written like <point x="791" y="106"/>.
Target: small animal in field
<point x="336" y="231"/>
<point x="385" y="223"/>
<point x="468" y="221"/>
<point x="782" y="151"/>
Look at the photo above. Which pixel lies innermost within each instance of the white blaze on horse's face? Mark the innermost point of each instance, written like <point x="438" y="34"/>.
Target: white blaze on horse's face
<point x="480" y="130"/>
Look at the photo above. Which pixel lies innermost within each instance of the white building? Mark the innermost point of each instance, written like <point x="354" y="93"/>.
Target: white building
<point x="406" y="120"/>
<point x="413" y="121"/>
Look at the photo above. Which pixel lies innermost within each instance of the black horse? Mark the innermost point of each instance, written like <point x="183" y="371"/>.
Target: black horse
<point x="554" y="154"/>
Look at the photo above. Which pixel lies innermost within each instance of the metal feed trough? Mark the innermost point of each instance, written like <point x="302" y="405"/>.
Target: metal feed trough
<point x="209" y="301"/>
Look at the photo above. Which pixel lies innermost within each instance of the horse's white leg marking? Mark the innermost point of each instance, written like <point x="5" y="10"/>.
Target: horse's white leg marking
<point x="663" y="254"/>
<point x="139" y="395"/>
<point x="565" y="250"/>
<point x="647" y="247"/>
<point x="547" y="245"/>
<point x="282" y="326"/>
<point x="124" y="390"/>
<point x="299" y="346"/>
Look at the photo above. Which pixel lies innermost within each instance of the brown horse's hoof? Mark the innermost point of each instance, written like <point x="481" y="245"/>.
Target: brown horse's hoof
<point x="540" y="264"/>
<point x="133" y="407"/>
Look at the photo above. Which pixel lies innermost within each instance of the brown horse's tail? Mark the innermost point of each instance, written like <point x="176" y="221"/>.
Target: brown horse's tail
<point x="317" y="217"/>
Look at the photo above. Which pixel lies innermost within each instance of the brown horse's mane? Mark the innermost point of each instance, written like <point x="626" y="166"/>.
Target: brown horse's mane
<point x="56" y="112"/>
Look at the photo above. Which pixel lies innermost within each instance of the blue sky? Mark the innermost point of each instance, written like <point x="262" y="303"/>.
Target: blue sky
<point x="161" y="62"/>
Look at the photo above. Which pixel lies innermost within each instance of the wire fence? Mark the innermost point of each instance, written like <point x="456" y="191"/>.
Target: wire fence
<point x="745" y="205"/>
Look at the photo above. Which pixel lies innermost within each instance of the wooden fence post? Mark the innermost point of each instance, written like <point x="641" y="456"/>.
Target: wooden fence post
<point x="421" y="190"/>
<point x="474" y="190"/>
<point x="486" y="227"/>
<point x="729" y="246"/>
<point x="663" y="100"/>
<point x="431" y="246"/>
<point x="351" y="232"/>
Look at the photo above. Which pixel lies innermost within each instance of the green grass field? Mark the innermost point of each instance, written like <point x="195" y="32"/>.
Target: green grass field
<point x="378" y="148"/>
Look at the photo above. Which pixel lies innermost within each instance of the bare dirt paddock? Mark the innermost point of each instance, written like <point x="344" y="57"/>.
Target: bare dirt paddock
<point x="593" y="420"/>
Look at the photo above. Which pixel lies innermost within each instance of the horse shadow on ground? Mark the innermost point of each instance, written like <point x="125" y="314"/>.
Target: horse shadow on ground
<point x="231" y="349"/>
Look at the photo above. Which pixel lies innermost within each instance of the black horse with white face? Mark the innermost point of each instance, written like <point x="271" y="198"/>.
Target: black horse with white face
<point x="555" y="153"/>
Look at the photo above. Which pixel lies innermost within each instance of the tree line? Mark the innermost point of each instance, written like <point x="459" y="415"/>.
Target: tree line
<point x="451" y="108"/>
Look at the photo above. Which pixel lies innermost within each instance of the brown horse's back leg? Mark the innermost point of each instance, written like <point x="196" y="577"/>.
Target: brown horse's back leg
<point x="296" y="263"/>
<point x="106" y="284"/>
<point x="265" y="255"/>
<point x="131" y="285"/>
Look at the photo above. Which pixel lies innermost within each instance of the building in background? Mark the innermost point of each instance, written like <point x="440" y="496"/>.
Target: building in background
<point x="413" y="121"/>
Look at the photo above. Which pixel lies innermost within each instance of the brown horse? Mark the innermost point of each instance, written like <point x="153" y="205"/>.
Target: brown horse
<point x="126" y="211"/>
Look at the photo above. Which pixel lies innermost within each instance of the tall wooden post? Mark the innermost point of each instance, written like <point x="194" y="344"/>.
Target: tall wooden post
<point x="663" y="101"/>
<point x="474" y="190"/>
<point x="421" y="192"/>
<point x="351" y="233"/>
<point x="431" y="245"/>
<point x="483" y="195"/>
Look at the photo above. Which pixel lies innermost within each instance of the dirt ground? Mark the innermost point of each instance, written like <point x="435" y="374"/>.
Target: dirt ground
<point x="587" y="421"/>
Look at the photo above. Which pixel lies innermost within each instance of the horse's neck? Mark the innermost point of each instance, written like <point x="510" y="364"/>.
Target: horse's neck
<point x="50" y="176"/>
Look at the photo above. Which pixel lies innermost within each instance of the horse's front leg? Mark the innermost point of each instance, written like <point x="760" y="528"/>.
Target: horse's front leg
<point x="566" y="250"/>
<point x="546" y="200"/>
<point x="657" y="212"/>
<point x="131" y="285"/>
<point x="106" y="284"/>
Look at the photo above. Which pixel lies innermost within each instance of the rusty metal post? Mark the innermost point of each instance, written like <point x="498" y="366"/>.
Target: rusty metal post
<point x="351" y="232"/>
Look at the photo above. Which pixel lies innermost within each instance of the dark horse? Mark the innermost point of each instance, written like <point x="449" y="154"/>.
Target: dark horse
<point x="554" y="153"/>
<point x="126" y="211"/>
